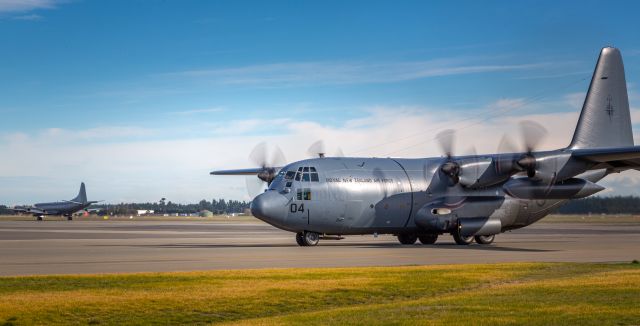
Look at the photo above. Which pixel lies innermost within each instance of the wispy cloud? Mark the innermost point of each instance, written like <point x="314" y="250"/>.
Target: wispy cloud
<point x="31" y="17"/>
<point x="585" y="73"/>
<point x="197" y="111"/>
<point x="17" y="6"/>
<point x="305" y="73"/>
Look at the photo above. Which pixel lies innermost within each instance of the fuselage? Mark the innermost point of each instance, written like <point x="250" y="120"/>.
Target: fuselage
<point x="386" y="195"/>
<point x="59" y="208"/>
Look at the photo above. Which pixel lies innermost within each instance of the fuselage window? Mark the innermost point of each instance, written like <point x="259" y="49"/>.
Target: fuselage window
<point x="298" y="175"/>
<point x="312" y="169"/>
<point x="305" y="177"/>
<point x="288" y="185"/>
<point x="314" y="177"/>
<point x="290" y="175"/>
<point x="305" y="169"/>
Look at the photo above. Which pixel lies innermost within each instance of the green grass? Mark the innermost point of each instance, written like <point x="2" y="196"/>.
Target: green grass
<point x="531" y="293"/>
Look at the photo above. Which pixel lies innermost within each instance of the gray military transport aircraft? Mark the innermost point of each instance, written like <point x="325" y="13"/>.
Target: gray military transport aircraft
<point x="471" y="197"/>
<point x="64" y="208"/>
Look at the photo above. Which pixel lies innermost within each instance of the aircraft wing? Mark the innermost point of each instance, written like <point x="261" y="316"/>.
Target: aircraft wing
<point x="239" y="171"/>
<point x="617" y="157"/>
<point x="72" y="202"/>
<point x="30" y="210"/>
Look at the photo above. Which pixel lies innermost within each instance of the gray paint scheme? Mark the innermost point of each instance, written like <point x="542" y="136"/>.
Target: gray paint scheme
<point x="64" y="208"/>
<point x="491" y="193"/>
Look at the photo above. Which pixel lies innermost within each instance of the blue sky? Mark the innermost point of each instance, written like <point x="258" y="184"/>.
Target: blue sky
<point x="141" y="99"/>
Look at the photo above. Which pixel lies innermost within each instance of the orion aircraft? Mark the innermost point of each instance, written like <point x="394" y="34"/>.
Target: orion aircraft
<point x="65" y="208"/>
<point x="472" y="197"/>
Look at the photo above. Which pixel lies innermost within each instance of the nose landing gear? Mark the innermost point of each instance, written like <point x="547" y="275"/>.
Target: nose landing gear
<point x="307" y="238"/>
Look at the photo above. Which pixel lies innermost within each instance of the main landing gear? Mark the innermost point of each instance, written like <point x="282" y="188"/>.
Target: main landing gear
<point x="69" y="217"/>
<point x="465" y="241"/>
<point x="411" y="238"/>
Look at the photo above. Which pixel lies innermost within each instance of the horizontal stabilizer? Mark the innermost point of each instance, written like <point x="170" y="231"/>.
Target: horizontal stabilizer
<point x="603" y="155"/>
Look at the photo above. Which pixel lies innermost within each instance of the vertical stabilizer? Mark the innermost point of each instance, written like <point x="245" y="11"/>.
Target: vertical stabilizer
<point x="605" y="120"/>
<point x="82" y="195"/>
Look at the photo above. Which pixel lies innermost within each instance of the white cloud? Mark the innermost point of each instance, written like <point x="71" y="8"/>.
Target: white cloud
<point x="304" y="73"/>
<point x="7" y="6"/>
<point x="197" y="111"/>
<point x="119" y="169"/>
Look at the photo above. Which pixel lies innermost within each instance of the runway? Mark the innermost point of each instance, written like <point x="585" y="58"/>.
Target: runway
<point x="79" y="247"/>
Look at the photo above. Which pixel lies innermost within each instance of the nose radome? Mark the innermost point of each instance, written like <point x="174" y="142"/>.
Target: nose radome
<point x="269" y="207"/>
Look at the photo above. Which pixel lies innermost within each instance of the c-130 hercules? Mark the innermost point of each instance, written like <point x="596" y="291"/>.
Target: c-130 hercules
<point x="470" y="197"/>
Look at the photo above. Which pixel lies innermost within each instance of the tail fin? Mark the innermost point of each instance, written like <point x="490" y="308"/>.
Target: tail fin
<point x="605" y="120"/>
<point x="82" y="195"/>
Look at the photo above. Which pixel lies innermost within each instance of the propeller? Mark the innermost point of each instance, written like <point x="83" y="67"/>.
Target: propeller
<point x="269" y="165"/>
<point x="450" y="168"/>
<point x="532" y="135"/>
<point x="317" y="149"/>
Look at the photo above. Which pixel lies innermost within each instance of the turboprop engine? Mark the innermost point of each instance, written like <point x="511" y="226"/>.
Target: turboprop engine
<point x="573" y="188"/>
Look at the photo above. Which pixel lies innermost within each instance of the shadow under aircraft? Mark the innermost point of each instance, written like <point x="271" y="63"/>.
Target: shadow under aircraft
<point x="64" y="208"/>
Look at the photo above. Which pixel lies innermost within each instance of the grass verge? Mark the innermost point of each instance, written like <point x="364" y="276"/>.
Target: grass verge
<point x="531" y="293"/>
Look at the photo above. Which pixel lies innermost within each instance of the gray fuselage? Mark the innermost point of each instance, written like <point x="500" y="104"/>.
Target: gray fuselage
<point x="385" y="195"/>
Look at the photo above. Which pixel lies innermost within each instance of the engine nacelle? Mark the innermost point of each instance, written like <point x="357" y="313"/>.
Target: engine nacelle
<point x="480" y="172"/>
<point x="573" y="188"/>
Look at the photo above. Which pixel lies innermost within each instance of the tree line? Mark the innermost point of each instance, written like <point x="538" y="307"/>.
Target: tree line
<point x="216" y="206"/>
<point x="591" y="205"/>
<point x="602" y="205"/>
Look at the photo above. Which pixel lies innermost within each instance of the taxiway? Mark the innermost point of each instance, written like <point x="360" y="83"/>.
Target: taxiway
<point x="78" y="247"/>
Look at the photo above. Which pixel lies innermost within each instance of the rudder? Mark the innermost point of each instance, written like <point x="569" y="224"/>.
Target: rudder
<point x="82" y="195"/>
<point x="605" y="120"/>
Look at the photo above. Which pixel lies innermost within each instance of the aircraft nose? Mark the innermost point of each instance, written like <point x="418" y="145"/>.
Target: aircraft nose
<point x="269" y="207"/>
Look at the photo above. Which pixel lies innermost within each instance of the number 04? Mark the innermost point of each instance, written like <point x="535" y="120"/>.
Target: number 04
<point x="295" y="208"/>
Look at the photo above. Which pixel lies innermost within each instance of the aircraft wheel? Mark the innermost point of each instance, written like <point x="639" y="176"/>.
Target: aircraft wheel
<point x="38" y="218"/>
<point x="407" y="238"/>
<point x="428" y="238"/>
<point x="462" y="240"/>
<point x="310" y="238"/>
<point x="69" y="218"/>
<point x="300" y="239"/>
<point x="485" y="239"/>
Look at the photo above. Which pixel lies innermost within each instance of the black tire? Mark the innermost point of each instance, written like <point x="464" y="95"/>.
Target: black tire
<point x="300" y="239"/>
<point x="310" y="238"/>
<point x="69" y="218"/>
<point x="38" y="218"/>
<point x="462" y="240"/>
<point x="407" y="238"/>
<point x="428" y="239"/>
<point x="485" y="239"/>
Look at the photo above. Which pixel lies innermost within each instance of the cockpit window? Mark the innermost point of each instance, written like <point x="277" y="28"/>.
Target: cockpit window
<point x="305" y="174"/>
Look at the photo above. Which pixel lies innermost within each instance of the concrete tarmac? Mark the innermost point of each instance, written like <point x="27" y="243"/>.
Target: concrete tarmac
<point x="79" y="247"/>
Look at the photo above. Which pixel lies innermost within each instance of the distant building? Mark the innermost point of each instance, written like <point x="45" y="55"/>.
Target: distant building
<point x="145" y="212"/>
